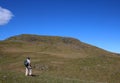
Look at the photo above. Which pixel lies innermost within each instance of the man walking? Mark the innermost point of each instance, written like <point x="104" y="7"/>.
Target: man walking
<point x="28" y="67"/>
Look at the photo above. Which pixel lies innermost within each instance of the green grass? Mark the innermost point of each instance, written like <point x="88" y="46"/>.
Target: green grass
<point x="54" y="69"/>
<point x="15" y="77"/>
<point x="67" y="61"/>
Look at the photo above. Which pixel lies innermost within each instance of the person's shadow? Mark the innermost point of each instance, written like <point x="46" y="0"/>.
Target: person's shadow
<point x="33" y="75"/>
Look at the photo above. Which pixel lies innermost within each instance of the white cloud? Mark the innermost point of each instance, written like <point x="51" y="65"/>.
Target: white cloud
<point x="5" y="16"/>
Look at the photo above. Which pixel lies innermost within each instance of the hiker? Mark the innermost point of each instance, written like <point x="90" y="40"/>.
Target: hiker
<point x="28" y="66"/>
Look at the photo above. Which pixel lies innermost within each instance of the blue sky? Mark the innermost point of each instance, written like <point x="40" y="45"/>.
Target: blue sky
<point x="96" y="22"/>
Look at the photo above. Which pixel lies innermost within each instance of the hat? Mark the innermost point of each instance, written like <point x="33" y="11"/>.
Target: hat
<point x="28" y="57"/>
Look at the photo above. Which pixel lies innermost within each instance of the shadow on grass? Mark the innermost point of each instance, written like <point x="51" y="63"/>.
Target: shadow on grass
<point x="33" y="75"/>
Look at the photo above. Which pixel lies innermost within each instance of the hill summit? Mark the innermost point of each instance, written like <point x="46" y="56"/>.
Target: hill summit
<point x="45" y="39"/>
<point x="53" y="44"/>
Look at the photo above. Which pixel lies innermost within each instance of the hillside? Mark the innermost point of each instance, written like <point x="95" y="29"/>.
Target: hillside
<point x="36" y="43"/>
<point x="56" y="60"/>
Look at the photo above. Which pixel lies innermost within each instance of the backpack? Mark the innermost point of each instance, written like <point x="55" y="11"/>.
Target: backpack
<point x="26" y="63"/>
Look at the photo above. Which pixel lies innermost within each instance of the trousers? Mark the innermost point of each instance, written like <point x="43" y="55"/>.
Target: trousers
<point x="28" y="71"/>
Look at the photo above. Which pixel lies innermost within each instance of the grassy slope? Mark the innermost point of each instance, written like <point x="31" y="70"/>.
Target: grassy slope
<point x="57" y="64"/>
